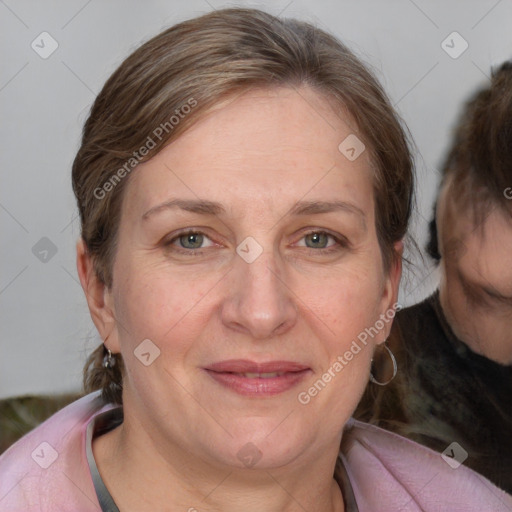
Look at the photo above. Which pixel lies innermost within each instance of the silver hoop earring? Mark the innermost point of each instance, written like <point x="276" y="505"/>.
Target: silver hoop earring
<point x="395" y="368"/>
<point x="108" y="361"/>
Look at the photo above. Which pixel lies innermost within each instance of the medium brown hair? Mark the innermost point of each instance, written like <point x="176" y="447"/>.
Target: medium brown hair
<point x="200" y="62"/>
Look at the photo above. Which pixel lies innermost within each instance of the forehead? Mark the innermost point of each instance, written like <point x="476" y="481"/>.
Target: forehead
<point x="260" y="149"/>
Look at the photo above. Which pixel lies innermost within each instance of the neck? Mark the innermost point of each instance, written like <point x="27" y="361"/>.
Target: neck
<point x="143" y="473"/>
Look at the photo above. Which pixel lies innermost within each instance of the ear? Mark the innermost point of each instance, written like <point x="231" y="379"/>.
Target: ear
<point x="390" y="291"/>
<point x="99" y="298"/>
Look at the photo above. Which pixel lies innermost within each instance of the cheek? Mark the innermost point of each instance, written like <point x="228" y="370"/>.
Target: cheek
<point x="466" y="318"/>
<point x="347" y="319"/>
<point x="457" y="299"/>
<point x="152" y="303"/>
<point x="460" y="315"/>
<point x="344" y="308"/>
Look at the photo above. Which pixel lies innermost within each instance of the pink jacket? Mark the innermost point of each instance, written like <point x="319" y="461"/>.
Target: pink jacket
<point x="47" y="470"/>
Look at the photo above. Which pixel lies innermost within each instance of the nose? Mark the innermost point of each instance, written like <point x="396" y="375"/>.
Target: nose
<point x="259" y="302"/>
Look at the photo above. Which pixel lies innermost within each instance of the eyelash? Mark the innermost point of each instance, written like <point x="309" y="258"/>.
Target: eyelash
<point x="341" y="243"/>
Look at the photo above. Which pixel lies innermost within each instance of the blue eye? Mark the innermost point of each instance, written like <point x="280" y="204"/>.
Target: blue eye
<point x="316" y="242"/>
<point x="189" y="242"/>
<point x="194" y="239"/>
<point x="318" y="239"/>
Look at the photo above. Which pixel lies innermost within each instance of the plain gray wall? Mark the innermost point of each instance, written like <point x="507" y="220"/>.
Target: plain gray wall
<point x="46" y="330"/>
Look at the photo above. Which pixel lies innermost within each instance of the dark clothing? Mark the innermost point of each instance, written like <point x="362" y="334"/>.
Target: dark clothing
<point x="445" y="392"/>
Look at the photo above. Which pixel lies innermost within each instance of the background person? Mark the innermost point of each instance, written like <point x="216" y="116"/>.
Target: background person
<point x="454" y="349"/>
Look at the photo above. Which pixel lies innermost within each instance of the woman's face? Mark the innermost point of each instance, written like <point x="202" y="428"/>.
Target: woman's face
<point x="224" y="332"/>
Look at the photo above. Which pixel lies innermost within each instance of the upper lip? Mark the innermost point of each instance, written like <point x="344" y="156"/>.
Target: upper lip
<point x="247" y="366"/>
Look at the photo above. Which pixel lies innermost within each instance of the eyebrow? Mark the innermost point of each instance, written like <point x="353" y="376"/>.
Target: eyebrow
<point x="205" y="207"/>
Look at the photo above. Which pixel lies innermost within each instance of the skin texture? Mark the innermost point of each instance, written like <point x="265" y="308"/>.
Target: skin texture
<point x="257" y="154"/>
<point x="476" y="276"/>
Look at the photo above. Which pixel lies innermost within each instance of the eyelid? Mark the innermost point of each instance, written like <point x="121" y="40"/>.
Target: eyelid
<point x="498" y="298"/>
<point x="187" y="231"/>
<point x="338" y="238"/>
<point x="482" y="296"/>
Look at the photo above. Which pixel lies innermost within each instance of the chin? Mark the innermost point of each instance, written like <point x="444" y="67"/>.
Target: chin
<point x="263" y="443"/>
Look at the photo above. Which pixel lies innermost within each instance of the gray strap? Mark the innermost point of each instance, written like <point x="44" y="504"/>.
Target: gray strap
<point x="100" y="424"/>
<point x="345" y="486"/>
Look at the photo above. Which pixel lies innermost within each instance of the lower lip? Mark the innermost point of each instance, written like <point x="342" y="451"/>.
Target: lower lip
<point x="258" y="387"/>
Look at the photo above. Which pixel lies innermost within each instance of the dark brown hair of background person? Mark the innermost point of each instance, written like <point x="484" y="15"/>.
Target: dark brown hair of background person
<point x="480" y="157"/>
<point x="210" y="58"/>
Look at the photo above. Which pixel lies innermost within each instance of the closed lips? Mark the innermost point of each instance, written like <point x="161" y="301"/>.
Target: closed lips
<point x="252" y="369"/>
<point x="261" y="375"/>
<point x="258" y="380"/>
